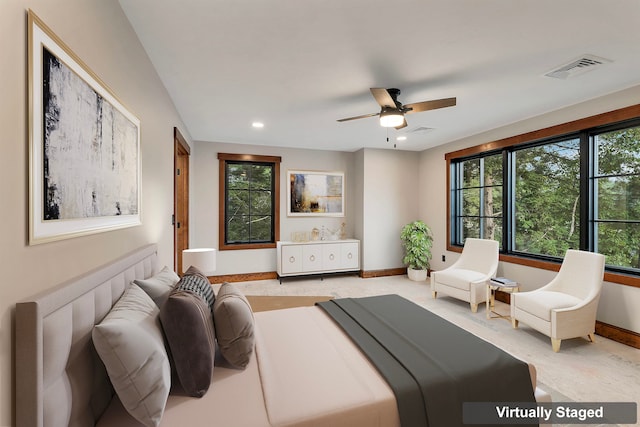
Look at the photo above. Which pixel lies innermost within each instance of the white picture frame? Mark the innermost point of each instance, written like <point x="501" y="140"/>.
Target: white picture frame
<point x="84" y="146"/>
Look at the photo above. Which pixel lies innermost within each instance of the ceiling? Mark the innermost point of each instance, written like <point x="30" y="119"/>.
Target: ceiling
<point x="298" y="66"/>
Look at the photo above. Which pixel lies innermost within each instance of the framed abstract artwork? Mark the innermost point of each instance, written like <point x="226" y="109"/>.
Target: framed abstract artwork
<point x="314" y="193"/>
<point x="84" y="146"/>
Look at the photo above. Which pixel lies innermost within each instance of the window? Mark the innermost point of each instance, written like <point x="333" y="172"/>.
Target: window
<point x="249" y="201"/>
<point x="571" y="186"/>
<point x="546" y="198"/>
<point x="478" y="198"/>
<point x="616" y="189"/>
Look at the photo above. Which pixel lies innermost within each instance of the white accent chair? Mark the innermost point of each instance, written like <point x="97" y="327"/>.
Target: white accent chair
<point x="566" y="307"/>
<point x="466" y="279"/>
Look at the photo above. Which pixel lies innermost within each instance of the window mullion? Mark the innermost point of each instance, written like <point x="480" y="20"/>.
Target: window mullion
<point x="226" y="198"/>
<point x="456" y="203"/>
<point x="588" y="208"/>
<point x="506" y="201"/>
<point x="459" y="194"/>
<point x="250" y="207"/>
<point x="511" y="245"/>
<point x="481" y="206"/>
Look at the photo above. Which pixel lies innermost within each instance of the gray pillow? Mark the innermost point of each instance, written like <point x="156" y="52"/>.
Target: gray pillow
<point x="234" y="325"/>
<point x="188" y="325"/>
<point x="129" y="342"/>
<point x="159" y="285"/>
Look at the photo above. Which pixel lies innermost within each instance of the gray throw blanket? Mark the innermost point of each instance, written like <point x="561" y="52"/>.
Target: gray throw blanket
<point x="432" y="365"/>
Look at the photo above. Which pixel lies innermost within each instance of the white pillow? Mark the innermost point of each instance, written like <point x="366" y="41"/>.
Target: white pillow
<point x="159" y="286"/>
<point x="130" y="343"/>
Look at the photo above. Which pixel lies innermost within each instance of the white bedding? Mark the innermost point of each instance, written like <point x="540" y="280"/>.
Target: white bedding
<point x="313" y="375"/>
<point x="305" y="372"/>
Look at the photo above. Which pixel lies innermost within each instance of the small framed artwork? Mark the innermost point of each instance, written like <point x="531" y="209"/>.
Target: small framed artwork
<point x="84" y="146"/>
<point x="313" y="193"/>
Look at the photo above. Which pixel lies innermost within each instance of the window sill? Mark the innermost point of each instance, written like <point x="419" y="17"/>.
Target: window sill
<point x="243" y="246"/>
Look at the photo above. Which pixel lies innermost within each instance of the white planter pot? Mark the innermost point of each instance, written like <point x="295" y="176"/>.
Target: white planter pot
<point x="417" y="275"/>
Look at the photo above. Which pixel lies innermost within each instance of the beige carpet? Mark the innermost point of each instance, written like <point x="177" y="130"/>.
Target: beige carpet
<point x="277" y="302"/>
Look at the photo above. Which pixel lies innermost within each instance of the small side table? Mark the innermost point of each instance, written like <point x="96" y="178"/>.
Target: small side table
<point x="503" y="284"/>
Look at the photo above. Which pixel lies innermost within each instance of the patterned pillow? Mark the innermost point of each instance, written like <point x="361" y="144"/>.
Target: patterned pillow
<point x="195" y="281"/>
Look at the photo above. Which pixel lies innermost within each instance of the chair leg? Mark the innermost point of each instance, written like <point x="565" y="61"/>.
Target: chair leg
<point x="434" y="294"/>
<point x="592" y="337"/>
<point x="555" y="344"/>
<point x="474" y="308"/>
<point x="514" y="323"/>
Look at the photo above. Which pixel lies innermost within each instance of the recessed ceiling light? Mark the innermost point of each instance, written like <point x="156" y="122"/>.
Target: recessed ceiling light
<point x="401" y="138"/>
<point x="257" y="124"/>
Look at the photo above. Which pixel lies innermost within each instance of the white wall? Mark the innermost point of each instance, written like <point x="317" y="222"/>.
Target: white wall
<point x="390" y="200"/>
<point x="358" y="197"/>
<point x="381" y="196"/>
<point x="204" y="200"/>
<point x="99" y="33"/>
<point x="618" y="303"/>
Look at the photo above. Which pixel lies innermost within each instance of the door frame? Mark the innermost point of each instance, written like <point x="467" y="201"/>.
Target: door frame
<point x="181" y="153"/>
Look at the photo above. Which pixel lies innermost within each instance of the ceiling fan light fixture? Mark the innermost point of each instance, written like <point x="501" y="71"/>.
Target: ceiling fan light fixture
<point x="391" y="118"/>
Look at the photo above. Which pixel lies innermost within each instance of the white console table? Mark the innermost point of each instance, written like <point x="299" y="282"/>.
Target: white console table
<point x="317" y="257"/>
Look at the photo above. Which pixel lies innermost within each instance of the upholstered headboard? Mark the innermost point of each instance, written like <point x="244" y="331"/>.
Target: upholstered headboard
<point x="60" y="380"/>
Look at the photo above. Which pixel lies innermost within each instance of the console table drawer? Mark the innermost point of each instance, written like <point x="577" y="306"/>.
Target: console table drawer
<point x="350" y="255"/>
<point x="291" y="259"/>
<point x="311" y="258"/>
<point x="331" y="259"/>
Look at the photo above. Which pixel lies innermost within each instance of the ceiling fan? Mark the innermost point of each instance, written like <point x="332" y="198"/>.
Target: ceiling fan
<point x="392" y="111"/>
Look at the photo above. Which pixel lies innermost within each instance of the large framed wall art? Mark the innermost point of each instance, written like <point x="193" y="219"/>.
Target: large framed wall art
<point x="84" y="146"/>
<point x="314" y="193"/>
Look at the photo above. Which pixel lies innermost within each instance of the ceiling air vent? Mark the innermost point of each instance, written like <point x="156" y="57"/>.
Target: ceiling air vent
<point x="420" y="129"/>
<point x="579" y="66"/>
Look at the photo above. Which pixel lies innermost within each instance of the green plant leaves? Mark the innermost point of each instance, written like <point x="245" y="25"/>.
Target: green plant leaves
<point x="417" y="240"/>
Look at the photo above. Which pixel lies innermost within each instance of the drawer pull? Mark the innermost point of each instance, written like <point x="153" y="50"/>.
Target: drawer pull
<point x="312" y="258"/>
<point x="350" y="255"/>
<point x="332" y="257"/>
<point x="292" y="259"/>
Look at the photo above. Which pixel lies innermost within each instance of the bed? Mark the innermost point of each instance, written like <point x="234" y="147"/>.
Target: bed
<point x="305" y="371"/>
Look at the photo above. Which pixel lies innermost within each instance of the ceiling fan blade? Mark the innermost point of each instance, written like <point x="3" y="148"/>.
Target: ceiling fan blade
<point x="364" y="116"/>
<point x="383" y="97"/>
<point x="429" y="105"/>
<point x="403" y="125"/>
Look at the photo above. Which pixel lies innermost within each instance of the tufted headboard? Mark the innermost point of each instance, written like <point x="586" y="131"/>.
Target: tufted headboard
<point x="60" y="380"/>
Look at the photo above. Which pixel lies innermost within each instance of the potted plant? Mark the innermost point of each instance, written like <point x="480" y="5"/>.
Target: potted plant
<point x="417" y="241"/>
